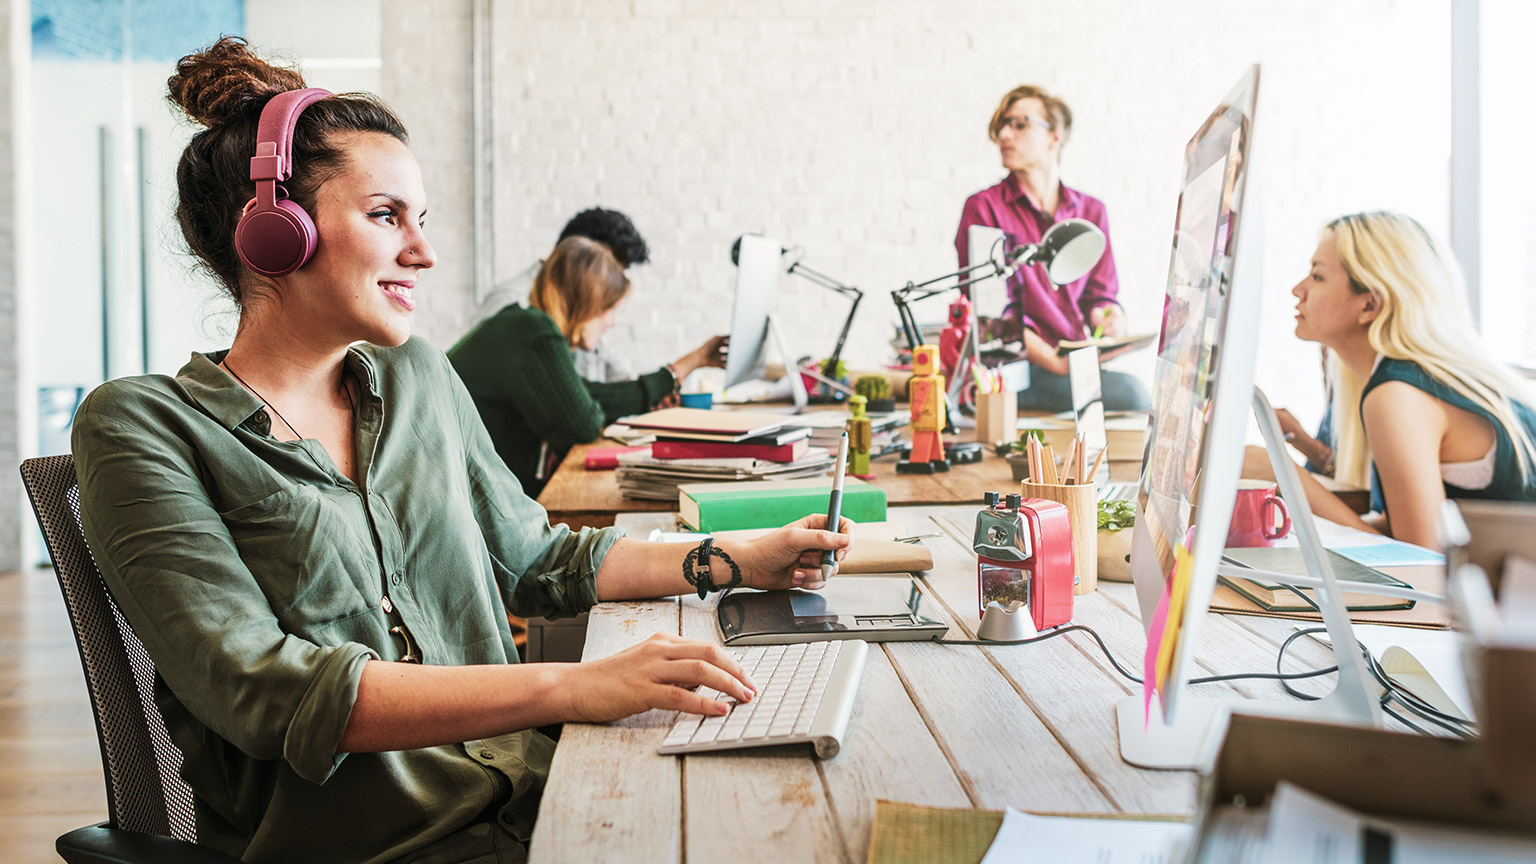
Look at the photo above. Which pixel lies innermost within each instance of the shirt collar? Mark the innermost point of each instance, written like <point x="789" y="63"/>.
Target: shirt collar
<point x="218" y="393"/>
<point x="1069" y="205"/>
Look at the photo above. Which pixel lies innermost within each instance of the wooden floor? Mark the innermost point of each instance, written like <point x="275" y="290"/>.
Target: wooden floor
<point x="50" y="763"/>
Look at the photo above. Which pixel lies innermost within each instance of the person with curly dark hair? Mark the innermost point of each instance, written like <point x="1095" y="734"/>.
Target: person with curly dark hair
<point x="612" y="229"/>
<point x="327" y="608"/>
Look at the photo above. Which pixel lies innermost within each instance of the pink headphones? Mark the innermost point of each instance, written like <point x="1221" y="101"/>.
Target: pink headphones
<point x="275" y="237"/>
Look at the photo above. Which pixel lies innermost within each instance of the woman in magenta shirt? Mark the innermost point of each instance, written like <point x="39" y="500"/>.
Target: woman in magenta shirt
<point x="1030" y="126"/>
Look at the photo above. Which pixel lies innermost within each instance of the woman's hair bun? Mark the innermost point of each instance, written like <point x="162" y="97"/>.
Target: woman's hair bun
<point x="226" y="82"/>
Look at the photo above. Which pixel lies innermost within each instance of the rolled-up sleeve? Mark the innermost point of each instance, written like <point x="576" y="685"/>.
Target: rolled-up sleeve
<point x="174" y="570"/>
<point x="542" y="569"/>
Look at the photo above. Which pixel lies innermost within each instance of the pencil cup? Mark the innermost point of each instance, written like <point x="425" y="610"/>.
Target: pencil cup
<point x="1082" y="503"/>
<point x="997" y="417"/>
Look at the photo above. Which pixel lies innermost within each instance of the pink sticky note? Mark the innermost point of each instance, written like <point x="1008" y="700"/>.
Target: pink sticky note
<point x="1149" y="660"/>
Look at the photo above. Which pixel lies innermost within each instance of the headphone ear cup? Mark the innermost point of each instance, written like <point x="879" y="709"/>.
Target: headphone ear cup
<point x="276" y="240"/>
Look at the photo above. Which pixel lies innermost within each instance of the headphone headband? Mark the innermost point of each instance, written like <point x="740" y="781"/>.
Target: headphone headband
<point x="274" y="136"/>
<point x="275" y="236"/>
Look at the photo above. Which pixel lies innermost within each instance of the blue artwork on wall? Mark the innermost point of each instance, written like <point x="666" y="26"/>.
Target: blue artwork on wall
<point x="152" y="30"/>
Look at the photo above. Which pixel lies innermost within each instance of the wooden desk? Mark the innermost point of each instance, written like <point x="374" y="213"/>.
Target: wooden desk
<point x="1028" y="726"/>
<point x="583" y="498"/>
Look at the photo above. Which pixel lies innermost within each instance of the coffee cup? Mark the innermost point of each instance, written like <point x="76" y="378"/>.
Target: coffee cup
<point x="1259" y="517"/>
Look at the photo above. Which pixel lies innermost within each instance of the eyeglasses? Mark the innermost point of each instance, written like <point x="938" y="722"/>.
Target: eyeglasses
<point x="1019" y="124"/>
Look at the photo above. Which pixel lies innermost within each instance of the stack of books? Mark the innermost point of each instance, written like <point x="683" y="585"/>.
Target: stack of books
<point x="695" y="446"/>
<point x="885" y="429"/>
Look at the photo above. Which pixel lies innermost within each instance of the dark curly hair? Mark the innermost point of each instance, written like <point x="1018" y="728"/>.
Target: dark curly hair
<point x="612" y="229"/>
<point x="224" y="89"/>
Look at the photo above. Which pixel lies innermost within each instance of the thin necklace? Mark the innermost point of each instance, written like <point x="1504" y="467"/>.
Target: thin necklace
<point x="264" y="400"/>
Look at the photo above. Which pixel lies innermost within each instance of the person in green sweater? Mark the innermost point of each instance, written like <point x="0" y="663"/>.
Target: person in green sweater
<point x="518" y="368"/>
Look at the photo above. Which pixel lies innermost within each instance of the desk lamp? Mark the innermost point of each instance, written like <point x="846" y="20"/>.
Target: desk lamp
<point x="1067" y="251"/>
<point x="797" y="267"/>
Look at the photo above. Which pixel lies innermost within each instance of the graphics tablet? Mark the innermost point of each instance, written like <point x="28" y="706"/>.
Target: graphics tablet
<point x="872" y="608"/>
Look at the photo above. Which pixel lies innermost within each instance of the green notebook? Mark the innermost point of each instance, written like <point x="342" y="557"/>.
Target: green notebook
<point x="710" y="507"/>
<point x="1273" y="597"/>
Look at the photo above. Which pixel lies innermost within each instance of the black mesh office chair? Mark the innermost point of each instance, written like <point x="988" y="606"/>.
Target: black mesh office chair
<point x="148" y="805"/>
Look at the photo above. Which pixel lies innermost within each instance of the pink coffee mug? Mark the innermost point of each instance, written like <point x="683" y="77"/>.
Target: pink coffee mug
<point x="1259" y="517"/>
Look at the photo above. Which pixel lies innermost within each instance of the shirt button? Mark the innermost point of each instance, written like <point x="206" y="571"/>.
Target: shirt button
<point x="260" y="417"/>
<point x="487" y="755"/>
<point x="397" y="579"/>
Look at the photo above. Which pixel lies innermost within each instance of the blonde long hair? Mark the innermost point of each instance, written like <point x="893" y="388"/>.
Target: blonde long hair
<point x="579" y="281"/>
<point x="1424" y="319"/>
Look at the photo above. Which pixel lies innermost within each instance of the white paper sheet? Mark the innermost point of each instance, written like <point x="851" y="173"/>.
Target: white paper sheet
<point x="1067" y="840"/>
<point x="1307" y="829"/>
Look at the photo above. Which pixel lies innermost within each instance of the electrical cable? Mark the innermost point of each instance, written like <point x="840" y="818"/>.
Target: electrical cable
<point x="1391" y="691"/>
<point x="1394" y="692"/>
<point x="1060" y="631"/>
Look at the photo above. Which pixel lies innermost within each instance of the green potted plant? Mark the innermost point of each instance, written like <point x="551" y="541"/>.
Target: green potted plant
<point x="1115" y="521"/>
<point x="1013" y="451"/>
<point x="877" y="390"/>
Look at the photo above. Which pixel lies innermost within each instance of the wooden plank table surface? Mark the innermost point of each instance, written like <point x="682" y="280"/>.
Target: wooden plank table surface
<point x="1029" y="726"/>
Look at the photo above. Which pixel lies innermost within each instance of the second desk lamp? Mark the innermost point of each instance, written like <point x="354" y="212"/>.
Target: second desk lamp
<point x="1067" y="251"/>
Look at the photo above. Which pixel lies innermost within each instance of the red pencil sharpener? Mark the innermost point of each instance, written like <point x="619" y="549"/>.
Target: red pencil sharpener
<point x="1024" y="555"/>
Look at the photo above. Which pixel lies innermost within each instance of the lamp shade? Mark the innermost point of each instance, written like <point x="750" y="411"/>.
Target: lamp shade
<point x="1070" y="249"/>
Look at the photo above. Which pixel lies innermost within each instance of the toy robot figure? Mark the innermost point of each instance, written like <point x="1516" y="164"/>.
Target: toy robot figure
<point x="952" y="338"/>
<point x="926" y="392"/>
<point x="860" y="439"/>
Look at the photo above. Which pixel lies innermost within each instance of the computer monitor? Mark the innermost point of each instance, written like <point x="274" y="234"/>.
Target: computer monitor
<point x="1202" y="397"/>
<point x="758" y="267"/>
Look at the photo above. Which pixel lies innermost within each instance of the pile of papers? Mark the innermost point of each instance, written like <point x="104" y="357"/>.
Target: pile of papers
<point x="642" y="475"/>
<point x="1299" y="826"/>
<point x="722" y="434"/>
<point x="827" y="427"/>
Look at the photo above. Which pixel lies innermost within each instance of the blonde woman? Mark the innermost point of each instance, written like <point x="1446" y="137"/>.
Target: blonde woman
<point x="518" y="368"/>
<point x="1437" y="418"/>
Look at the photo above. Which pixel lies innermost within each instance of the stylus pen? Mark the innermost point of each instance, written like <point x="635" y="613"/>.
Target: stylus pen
<point x="835" y="505"/>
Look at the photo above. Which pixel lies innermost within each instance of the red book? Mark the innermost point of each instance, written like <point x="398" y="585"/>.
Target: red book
<point x="664" y="449"/>
<point x="607" y="458"/>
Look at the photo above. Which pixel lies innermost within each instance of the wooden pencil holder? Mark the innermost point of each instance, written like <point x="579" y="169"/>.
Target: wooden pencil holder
<point x="1082" y="503"/>
<point x="997" y="417"/>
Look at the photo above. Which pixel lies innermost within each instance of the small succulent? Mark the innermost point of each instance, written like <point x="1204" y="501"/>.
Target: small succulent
<point x="1117" y="514"/>
<point x="872" y="387"/>
<point x="1019" y="445"/>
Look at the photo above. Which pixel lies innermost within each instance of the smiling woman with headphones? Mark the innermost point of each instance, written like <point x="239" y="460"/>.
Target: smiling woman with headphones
<point x="314" y="538"/>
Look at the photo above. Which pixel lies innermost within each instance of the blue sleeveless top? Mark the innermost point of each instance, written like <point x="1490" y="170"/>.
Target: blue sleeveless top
<point x="1507" y="483"/>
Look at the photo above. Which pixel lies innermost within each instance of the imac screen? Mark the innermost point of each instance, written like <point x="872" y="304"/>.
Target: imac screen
<point x="1194" y="312"/>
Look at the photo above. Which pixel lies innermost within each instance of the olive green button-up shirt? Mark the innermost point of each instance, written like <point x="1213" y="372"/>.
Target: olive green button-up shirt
<point x="260" y="580"/>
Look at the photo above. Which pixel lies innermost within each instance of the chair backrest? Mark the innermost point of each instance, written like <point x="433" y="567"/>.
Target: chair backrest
<point x="145" y="792"/>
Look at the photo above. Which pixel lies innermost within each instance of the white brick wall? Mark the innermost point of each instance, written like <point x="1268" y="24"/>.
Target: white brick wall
<point x="857" y="129"/>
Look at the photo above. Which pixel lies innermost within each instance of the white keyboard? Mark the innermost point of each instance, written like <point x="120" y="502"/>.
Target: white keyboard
<point x="805" y="696"/>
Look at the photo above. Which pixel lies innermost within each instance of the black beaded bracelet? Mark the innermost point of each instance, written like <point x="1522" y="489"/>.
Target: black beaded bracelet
<point x="699" y="576"/>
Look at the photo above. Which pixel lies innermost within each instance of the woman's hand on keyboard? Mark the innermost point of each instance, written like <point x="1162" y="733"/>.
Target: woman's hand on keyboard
<point x="791" y="556"/>
<point x="660" y="672"/>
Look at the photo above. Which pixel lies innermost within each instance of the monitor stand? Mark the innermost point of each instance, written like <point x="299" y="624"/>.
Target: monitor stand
<point x="1191" y="741"/>
<point x="797" y="389"/>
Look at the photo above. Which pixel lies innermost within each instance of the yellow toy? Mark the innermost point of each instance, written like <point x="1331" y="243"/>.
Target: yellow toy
<point x="926" y="393"/>
<point x="860" y="439"/>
